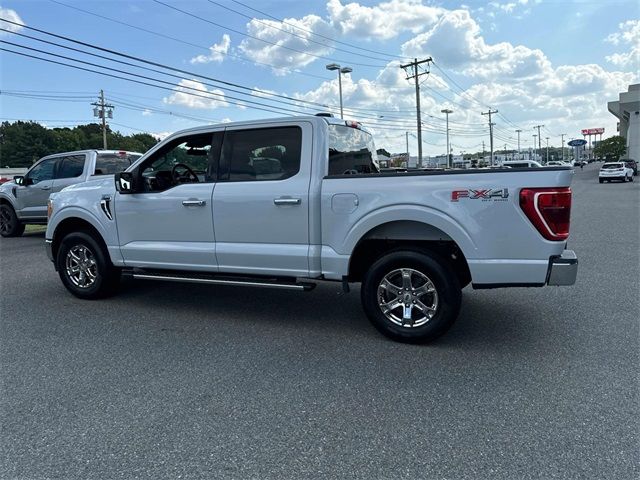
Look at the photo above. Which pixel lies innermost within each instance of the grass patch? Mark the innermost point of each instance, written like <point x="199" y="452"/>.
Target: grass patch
<point x="35" y="228"/>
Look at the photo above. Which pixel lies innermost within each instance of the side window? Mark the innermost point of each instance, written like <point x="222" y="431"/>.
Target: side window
<point x="70" y="167"/>
<point x="42" y="171"/>
<point x="110" y="163"/>
<point x="189" y="159"/>
<point x="261" y="154"/>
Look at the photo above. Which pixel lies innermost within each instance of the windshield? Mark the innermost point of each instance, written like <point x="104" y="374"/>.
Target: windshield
<point x="351" y="151"/>
<point x="611" y="166"/>
<point x="111" y="163"/>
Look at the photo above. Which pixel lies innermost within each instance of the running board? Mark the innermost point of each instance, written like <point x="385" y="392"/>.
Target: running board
<point x="194" y="277"/>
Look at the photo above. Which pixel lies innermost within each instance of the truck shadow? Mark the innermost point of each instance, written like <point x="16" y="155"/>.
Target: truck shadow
<point x="482" y="323"/>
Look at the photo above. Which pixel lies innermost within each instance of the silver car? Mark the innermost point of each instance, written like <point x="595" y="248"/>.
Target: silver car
<point x="24" y="200"/>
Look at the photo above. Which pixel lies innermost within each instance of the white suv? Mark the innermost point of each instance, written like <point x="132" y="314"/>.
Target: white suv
<point x="615" y="171"/>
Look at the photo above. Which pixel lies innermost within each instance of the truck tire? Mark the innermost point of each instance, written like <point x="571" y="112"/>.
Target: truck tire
<point x="600" y="180"/>
<point x="85" y="268"/>
<point x="10" y="226"/>
<point x="411" y="297"/>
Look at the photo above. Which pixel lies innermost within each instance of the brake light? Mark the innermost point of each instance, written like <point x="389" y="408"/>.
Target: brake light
<point x="549" y="210"/>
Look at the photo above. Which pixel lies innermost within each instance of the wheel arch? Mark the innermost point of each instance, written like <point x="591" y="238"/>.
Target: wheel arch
<point x="406" y="235"/>
<point x="75" y="224"/>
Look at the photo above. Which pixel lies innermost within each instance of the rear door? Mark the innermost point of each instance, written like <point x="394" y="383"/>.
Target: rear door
<point x="32" y="197"/>
<point x="69" y="171"/>
<point x="261" y="200"/>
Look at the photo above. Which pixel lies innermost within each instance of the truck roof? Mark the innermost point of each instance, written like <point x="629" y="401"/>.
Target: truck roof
<point x="89" y="150"/>
<point x="263" y="121"/>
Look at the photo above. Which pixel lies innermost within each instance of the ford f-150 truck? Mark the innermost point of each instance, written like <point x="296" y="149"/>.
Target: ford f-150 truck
<point x="24" y="200"/>
<point x="283" y="202"/>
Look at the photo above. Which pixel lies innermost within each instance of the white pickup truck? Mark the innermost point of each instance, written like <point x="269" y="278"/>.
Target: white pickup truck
<point x="283" y="202"/>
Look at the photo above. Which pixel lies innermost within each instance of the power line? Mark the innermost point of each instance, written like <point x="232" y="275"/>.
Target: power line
<point x="262" y="40"/>
<point x="315" y="33"/>
<point x="184" y="42"/>
<point x="307" y="39"/>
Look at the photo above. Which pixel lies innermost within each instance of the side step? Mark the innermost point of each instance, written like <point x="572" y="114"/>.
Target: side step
<point x="214" y="279"/>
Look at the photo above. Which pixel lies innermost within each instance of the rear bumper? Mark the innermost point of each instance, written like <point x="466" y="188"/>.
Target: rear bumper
<point x="563" y="269"/>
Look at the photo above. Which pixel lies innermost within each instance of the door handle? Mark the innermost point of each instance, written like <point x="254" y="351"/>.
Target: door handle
<point x="45" y="187"/>
<point x="287" y="201"/>
<point x="194" y="203"/>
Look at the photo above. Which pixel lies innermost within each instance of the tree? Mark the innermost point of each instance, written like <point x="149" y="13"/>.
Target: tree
<point x="22" y="143"/>
<point x="612" y="148"/>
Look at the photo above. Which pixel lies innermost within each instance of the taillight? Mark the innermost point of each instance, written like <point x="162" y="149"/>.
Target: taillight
<point x="549" y="210"/>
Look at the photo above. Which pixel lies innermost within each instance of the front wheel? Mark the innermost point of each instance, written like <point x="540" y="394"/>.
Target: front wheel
<point x="84" y="267"/>
<point x="410" y="296"/>
<point x="10" y="226"/>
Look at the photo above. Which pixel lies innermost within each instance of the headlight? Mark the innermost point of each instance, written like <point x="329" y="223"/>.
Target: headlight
<point x="49" y="209"/>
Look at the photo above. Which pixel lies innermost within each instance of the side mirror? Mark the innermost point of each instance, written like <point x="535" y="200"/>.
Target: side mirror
<point x="126" y="182"/>
<point x="19" y="179"/>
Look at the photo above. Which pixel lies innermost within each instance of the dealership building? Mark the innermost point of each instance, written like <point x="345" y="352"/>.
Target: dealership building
<point x="627" y="109"/>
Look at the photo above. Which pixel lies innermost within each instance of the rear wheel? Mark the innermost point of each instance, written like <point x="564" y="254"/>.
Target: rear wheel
<point x="10" y="226"/>
<point x="600" y="180"/>
<point x="84" y="267"/>
<point x="631" y="178"/>
<point x="411" y="297"/>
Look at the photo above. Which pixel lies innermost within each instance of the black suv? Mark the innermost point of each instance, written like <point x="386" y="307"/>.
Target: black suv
<point x="632" y="164"/>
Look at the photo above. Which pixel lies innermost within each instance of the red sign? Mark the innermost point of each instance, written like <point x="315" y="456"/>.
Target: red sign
<point x="592" y="131"/>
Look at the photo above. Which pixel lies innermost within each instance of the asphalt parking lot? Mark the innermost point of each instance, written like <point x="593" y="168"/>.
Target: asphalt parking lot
<point x="189" y="381"/>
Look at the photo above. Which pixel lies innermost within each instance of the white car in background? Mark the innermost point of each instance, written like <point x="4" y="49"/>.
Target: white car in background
<point x="558" y="163"/>
<point x="615" y="171"/>
<point x="521" y="164"/>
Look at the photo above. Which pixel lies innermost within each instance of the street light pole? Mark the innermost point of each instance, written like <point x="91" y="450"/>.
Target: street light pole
<point x="341" y="70"/>
<point x="446" y="111"/>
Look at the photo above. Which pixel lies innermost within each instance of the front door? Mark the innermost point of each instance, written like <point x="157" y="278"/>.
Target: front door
<point x="261" y="201"/>
<point x="32" y="196"/>
<point x="168" y="223"/>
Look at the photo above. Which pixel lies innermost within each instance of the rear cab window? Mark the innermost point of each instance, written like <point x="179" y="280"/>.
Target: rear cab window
<point x="114" y="162"/>
<point x="351" y="151"/>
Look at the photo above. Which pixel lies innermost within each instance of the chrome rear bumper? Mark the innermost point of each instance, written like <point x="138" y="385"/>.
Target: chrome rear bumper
<point x="563" y="270"/>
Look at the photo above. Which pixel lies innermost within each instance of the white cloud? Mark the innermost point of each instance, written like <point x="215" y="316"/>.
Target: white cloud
<point x="193" y="94"/>
<point x="13" y="16"/>
<point x="160" y="135"/>
<point x="286" y="43"/>
<point x="628" y="34"/>
<point x="146" y="112"/>
<point x="383" y="21"/>
<point x="217" y="52"/>
<point x="456" y="42"/>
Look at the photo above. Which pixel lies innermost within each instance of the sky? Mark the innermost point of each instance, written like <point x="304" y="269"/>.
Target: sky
<point x="537" y="62"/>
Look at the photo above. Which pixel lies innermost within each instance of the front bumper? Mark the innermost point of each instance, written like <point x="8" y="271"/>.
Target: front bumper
<point x="49" y="248"/>
<point x="563" y="270"/>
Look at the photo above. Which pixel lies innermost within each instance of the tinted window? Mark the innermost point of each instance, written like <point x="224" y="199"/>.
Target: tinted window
<point x="351" y="151"/>
<point x="611" y="166"/>
<point x="110" y="163"/>
<point x="261" y="154"/>
<point x="70" y="167"/>
<point x="42" y="171"/>
<point x="188" y="159"/>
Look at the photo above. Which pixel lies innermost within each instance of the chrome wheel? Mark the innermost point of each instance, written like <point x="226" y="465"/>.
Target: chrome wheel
<point x="407" y="297"/>
<point x="81" y="267"/>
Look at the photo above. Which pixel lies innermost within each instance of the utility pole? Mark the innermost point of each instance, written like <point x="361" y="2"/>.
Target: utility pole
<point x="547" y="149"/>
<point x="518" y="131"/>
<point x="490" y="131"/>
<point x="102" y="110"/>
<point x="534" y="146"/>
<point x="483" y="151"/>
<point x="446" y="111"/>
<point x="539" y="137"/>
<point x="415" y="75"/>
<point x="562" y="135"/>
<point x="406" y="134"/>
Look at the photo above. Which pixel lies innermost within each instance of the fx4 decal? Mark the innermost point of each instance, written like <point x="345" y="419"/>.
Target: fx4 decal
<point x="485" y="195"/>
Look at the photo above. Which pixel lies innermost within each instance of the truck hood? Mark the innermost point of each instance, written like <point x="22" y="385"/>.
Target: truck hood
<point x="101" y="186"/>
